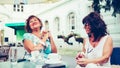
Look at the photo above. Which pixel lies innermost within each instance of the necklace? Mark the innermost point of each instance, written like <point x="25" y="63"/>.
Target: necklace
<point x="89" y="50"/>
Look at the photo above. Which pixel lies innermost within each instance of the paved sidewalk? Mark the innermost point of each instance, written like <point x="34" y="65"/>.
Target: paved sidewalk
<point x="69" y="60"/>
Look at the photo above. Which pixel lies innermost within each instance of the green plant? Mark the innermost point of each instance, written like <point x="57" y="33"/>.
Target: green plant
<point x="115" y="4"/>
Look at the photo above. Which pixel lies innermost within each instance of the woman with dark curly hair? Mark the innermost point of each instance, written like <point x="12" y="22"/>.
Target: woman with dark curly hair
<point x="35" y="39"/>
<point x="97" y="48"/>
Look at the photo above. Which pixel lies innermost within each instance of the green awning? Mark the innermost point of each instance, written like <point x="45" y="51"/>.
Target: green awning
<point x="16" y="25"/>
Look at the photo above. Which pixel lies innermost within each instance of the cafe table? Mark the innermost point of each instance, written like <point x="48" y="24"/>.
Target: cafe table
<point x="25" y="64"/>
<point x="28" y="64"/>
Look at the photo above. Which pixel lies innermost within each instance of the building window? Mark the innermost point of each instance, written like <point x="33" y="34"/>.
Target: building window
<point x="46" y="25"/>
<point x="57" y="23"/>
<point x="71" y="21"/>
<point x="6" y="39"/>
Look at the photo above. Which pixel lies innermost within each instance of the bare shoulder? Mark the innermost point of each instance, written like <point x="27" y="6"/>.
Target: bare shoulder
<point x="109" y="38"/>
<point x="109" y="41"/>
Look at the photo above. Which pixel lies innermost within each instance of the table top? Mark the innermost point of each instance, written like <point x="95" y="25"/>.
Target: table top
<point x="25" y="64"/>
<point x="28" y="64"/>
<point x="60" y="65"/>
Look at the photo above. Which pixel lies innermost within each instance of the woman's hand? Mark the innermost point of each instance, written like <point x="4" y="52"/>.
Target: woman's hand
<point x="82" y="61"/>
<point x="50" y="35"/>
<point x="45" y="35"/>
<point x="80" y="55"/>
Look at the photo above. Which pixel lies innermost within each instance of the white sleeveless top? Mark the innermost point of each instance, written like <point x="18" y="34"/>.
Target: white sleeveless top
<point x="96" y="52"/>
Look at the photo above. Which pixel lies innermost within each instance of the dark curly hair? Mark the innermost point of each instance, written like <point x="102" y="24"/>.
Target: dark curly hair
<point x="27" y="27"/>
<point x="98" y="26"/>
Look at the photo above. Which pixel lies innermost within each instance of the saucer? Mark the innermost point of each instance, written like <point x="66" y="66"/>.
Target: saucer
<point x="52" y="62"/>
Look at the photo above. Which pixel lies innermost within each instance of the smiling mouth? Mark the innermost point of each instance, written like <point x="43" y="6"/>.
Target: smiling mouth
<point x="34" y="24"/>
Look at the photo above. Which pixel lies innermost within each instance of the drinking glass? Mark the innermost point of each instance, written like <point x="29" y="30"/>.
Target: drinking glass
<point x="13" y="54"/>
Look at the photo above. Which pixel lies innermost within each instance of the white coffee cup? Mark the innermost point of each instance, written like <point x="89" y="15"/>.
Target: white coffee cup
<point x="54" y="57"/>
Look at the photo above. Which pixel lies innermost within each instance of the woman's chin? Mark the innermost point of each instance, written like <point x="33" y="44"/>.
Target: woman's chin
<point x="88" y="32"/>
<point x="82" y="65"/>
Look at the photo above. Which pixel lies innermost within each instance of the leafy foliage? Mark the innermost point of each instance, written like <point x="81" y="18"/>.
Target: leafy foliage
<point x="115" y="4"/>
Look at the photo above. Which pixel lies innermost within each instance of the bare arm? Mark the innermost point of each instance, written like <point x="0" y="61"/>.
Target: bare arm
<point x="29" y="46"/>
<point x="83" y="48"/>
<point x="53" y="46"/>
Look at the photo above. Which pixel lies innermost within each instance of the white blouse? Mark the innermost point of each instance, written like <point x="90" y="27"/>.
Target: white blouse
<point x="96" y="52"/>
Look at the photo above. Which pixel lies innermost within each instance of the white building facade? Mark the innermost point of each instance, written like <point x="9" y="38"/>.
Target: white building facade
<point x="62" y="18"/>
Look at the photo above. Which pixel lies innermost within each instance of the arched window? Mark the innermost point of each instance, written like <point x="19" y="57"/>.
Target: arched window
<point x="57" y="23"/>
<point x="71" y="21"/>
<point x="46" y="24"/>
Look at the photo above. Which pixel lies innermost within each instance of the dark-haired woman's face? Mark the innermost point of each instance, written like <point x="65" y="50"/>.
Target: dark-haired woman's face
<point x="87" y="28"/>
<point x="34" y="23"/>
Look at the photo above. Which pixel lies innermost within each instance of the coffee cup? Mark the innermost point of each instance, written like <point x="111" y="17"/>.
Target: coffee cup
<point x="54" y="57"/>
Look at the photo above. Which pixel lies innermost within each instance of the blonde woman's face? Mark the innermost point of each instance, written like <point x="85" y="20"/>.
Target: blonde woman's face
<point x="34" y="23"/>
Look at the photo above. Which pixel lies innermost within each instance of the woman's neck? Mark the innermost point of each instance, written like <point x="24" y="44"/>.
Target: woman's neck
<point x="92" y="42"/>
<point x="92" y="38"/>
<point x="36" y="32"/>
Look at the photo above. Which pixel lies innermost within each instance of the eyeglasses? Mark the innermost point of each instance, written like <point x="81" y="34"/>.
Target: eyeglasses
<point x="86" y="24"/>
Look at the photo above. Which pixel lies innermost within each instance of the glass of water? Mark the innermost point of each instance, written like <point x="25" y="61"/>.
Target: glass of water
<point x="13" y="54"/>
